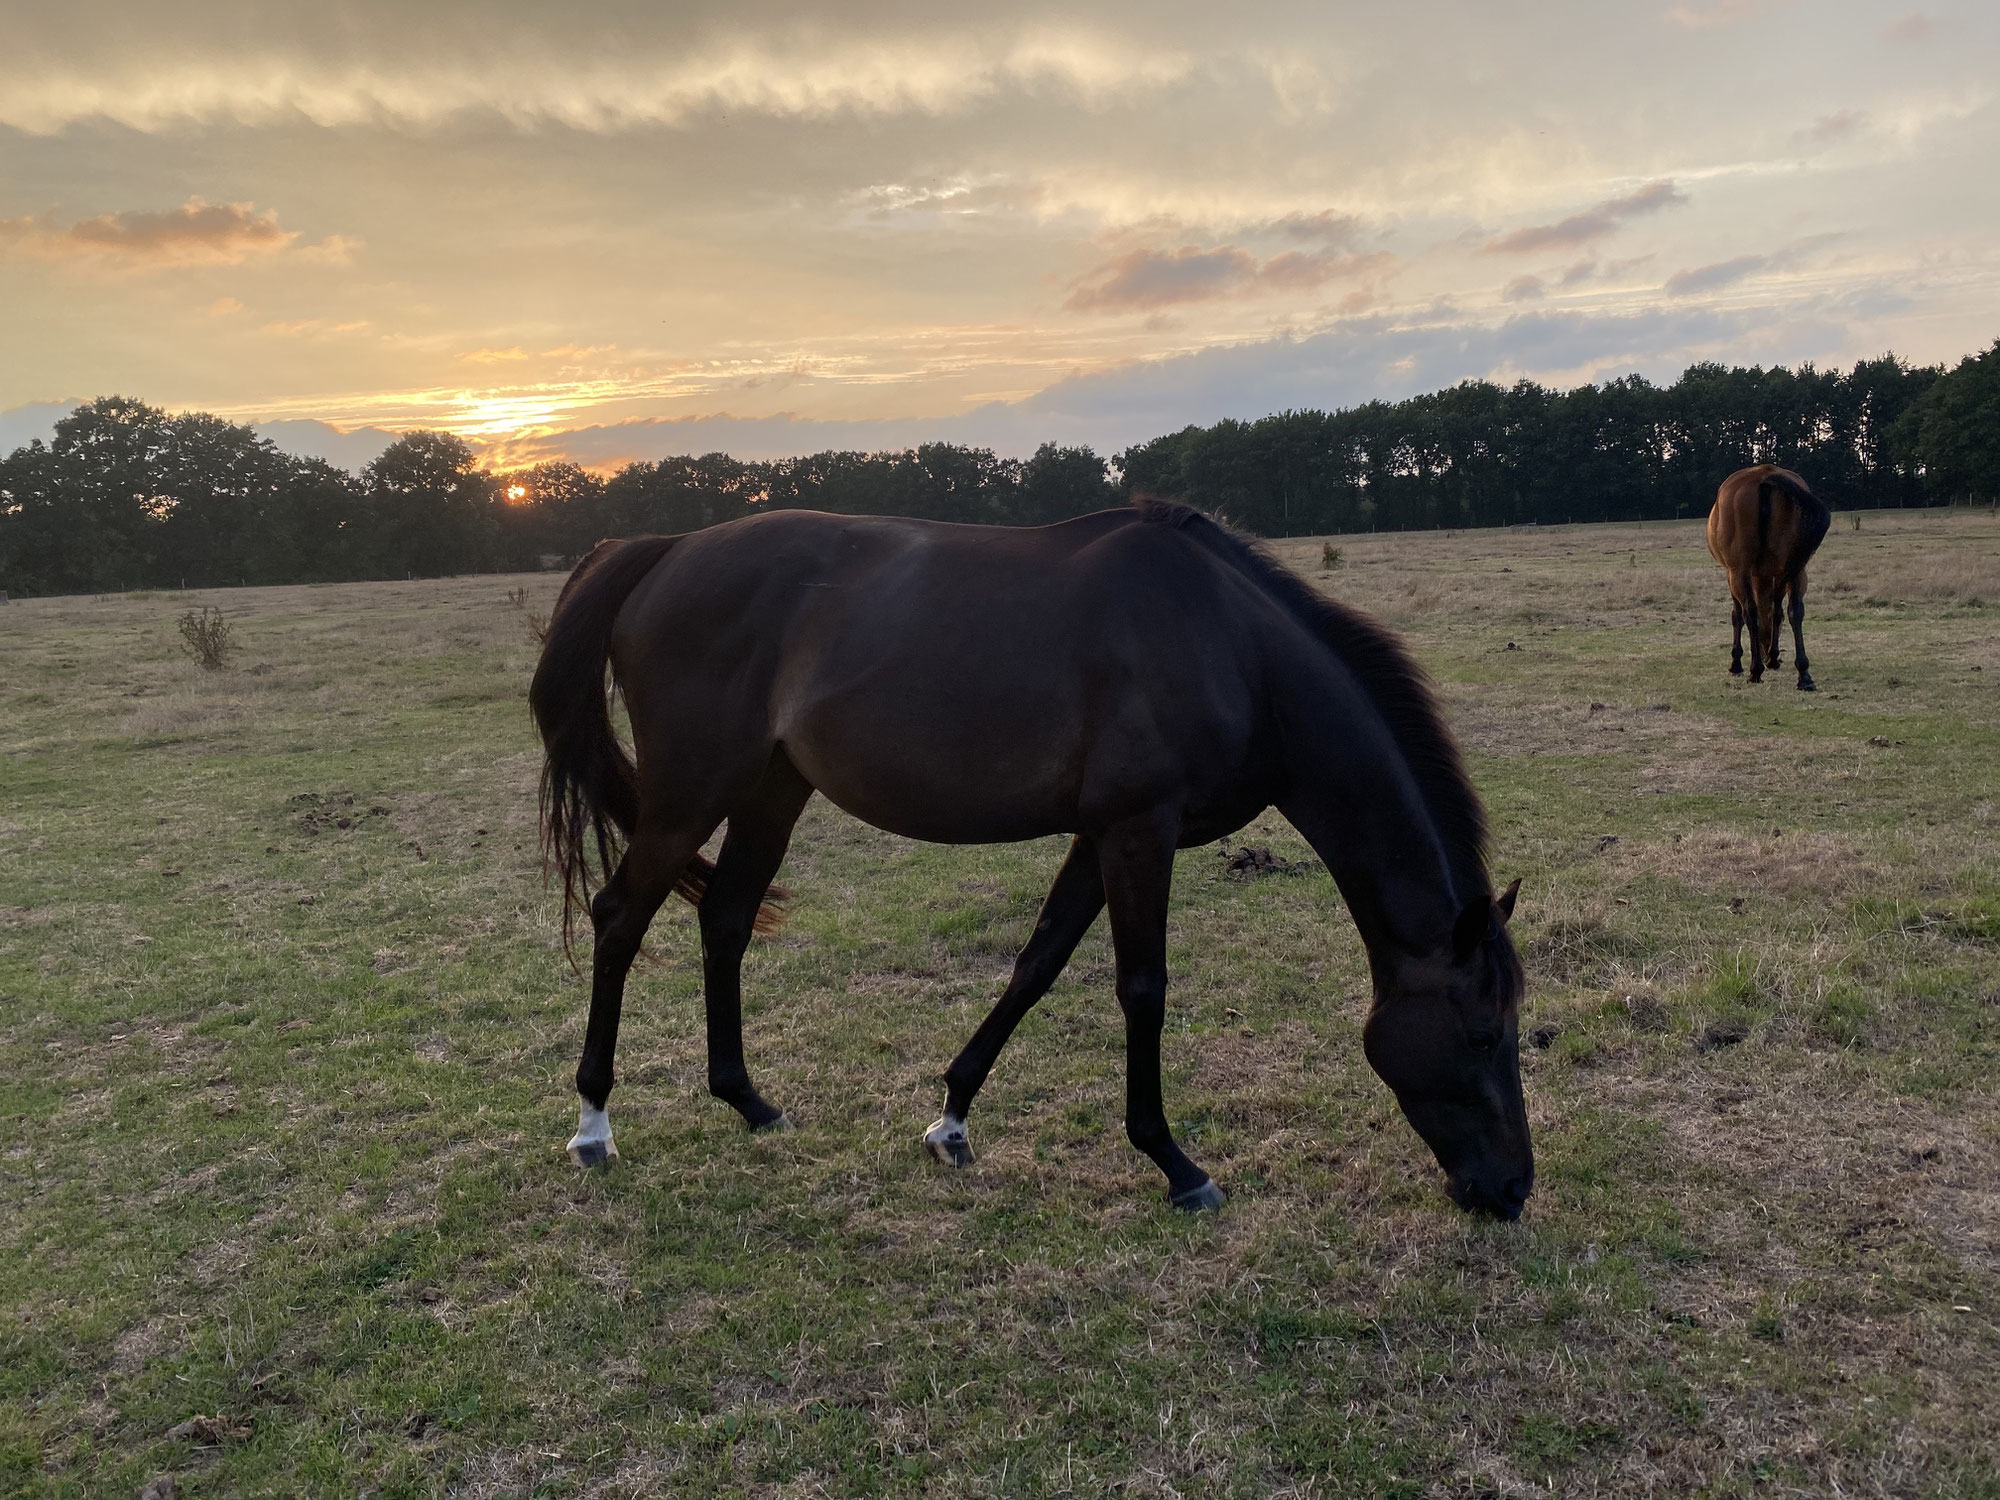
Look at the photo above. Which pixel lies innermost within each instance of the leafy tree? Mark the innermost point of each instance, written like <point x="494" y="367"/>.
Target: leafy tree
<point x="1953" y="430"/>
<point x="554" y="509"/>
<point x="431" y="508"/>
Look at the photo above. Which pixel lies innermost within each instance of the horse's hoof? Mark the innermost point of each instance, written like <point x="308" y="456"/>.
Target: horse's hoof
<point x="593" y="1153"/>
<point x="1736" y="669"/>
<point x="948" y="1142"/>
<point x="1207" y="1198"/>
<point x="1807" y="685"/>
<point x="778" y="1124"/>
<point x="1756" y="676"/>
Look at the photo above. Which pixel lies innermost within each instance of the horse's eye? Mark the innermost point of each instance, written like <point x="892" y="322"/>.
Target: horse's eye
<point x="1484" y="1041"/>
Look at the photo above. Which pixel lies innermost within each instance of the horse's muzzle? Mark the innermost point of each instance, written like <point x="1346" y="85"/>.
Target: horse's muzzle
<point x="1502" y="1199"/>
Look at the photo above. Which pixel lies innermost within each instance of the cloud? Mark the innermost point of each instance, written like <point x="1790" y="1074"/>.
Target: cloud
<point x="1158" y="278"/>
<point x="1592" y="224"/>
<point x="657" y="82"/>
<point x="314" y="328"/>
<point x="1326" y="227"/>
<point x="1829" y="128"/>
<point x="495" y="356"/>
<point x="1711" y="278"/>
<point x="196" y="233"/>
<point x="1523" y="289"/>
<point x="1721" y="13"/>
<point x="1355" y="361"/>
<point x="1142" y="280"/>
<point x="1911" y="28"/>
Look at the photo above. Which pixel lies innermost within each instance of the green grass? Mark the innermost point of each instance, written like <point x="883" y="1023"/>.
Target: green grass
<point x="282" y="1102"/>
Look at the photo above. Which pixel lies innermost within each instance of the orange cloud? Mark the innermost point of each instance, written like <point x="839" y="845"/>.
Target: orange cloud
<point x="198" y="233"/>
<point x="313" y="328"/>
<point x="1144" y="280"/>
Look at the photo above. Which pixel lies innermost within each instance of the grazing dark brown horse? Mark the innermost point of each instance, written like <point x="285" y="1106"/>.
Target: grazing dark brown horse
<point x="1763" y="529"/>
<point x="1142" y="679"/>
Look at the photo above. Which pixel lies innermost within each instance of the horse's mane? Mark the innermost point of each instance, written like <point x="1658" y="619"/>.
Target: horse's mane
<point x="1394" y="683"/>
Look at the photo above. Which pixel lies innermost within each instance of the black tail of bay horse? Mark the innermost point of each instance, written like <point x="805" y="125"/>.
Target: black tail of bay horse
<point x="1142" y="680"/>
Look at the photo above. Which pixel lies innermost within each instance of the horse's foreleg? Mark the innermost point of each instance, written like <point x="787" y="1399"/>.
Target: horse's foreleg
<point x="1073" y="902"/>
<point x="1137" y="857"/>
<point x="619" y="916"/>
<point x="752" y="850"/>
<point x="1798" y="613"/>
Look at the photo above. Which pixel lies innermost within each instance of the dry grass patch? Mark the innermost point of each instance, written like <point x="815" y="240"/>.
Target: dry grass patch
<point x="1771" y="864"/>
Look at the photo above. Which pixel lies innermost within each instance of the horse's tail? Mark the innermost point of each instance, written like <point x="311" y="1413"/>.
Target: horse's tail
<point x="590" y="788"/>
<point x="1813" y="520"/>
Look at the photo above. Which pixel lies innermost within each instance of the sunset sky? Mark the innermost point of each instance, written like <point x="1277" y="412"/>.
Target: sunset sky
<point x="618" y="231"/>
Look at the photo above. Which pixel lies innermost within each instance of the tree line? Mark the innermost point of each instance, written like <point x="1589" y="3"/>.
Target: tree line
<point x="126" y="495"/>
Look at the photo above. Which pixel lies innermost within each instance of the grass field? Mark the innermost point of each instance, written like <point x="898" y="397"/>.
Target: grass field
<point x="286" y="1038"/>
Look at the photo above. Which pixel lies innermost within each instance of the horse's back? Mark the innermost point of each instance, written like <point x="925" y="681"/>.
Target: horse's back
<point x="898" y="661"/>
<point x="1765" y="522"/>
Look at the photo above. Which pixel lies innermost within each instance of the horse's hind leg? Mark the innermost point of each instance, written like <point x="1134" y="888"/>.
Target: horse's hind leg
<point x="1137" y="857"/>
<point x="619" y="915"/>
<point x="1073" y="902"/>
<point x="1798" y="614"/>
<point x="1736" y="627"/>
<point x="1752" y="602"/>
<point x="759" y="832"/>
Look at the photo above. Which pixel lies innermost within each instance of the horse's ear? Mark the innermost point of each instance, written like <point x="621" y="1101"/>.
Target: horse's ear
<point x="1505" y="904"/>
<point x="1472" y="925"/>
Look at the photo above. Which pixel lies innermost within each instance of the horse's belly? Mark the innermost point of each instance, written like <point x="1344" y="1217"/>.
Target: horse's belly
<point x="944" y="799"/>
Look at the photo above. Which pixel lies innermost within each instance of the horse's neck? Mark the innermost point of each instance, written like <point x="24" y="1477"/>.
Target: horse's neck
<point x="1353" y="796"/>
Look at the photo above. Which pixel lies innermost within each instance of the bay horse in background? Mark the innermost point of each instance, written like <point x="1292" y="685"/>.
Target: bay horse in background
<point x="1142" y="679"/>
<point x="1764" y="528"/>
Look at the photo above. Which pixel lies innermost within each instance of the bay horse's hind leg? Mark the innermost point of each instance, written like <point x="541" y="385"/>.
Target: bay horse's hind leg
<point x="1072" y="904"/>
<point x="619" y="916"/>
<point x="1753" y="611"/>
<point x="1798" y="613"/>
<point x="759" y="832"/>
<point x="1736" y="627"/>
<point x="1137" y="857"/>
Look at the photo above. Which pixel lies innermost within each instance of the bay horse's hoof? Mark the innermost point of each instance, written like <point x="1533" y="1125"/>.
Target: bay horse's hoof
<point x="1207" y="1198"/>
<point x="593" y="1153"/>
<point x="1806" y="684"/>
<point x="1736" y="669"/>
<point x="778" y="1124"/>
<point x="948" y="1142"/>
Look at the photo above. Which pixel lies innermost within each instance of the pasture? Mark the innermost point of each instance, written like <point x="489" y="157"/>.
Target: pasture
<point x="286" y="1038"/>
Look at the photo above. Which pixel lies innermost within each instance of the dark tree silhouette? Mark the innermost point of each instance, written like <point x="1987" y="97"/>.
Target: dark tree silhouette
<point x="1953" y="430"/>
<point x="125" y="495"/>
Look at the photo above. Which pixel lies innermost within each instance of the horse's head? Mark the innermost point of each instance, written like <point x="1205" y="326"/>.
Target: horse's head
<point x="1444" y="1035"/>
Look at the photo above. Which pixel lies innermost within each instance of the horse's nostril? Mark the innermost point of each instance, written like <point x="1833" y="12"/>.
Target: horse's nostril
<point x="1516" y="1192"/>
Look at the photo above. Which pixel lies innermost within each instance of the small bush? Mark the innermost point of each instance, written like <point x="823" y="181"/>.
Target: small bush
<point x="1329" y="555"/>
<point x="538" y="628"/>
<point x="518" y="598"/>
<point x="205" y="635"/>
